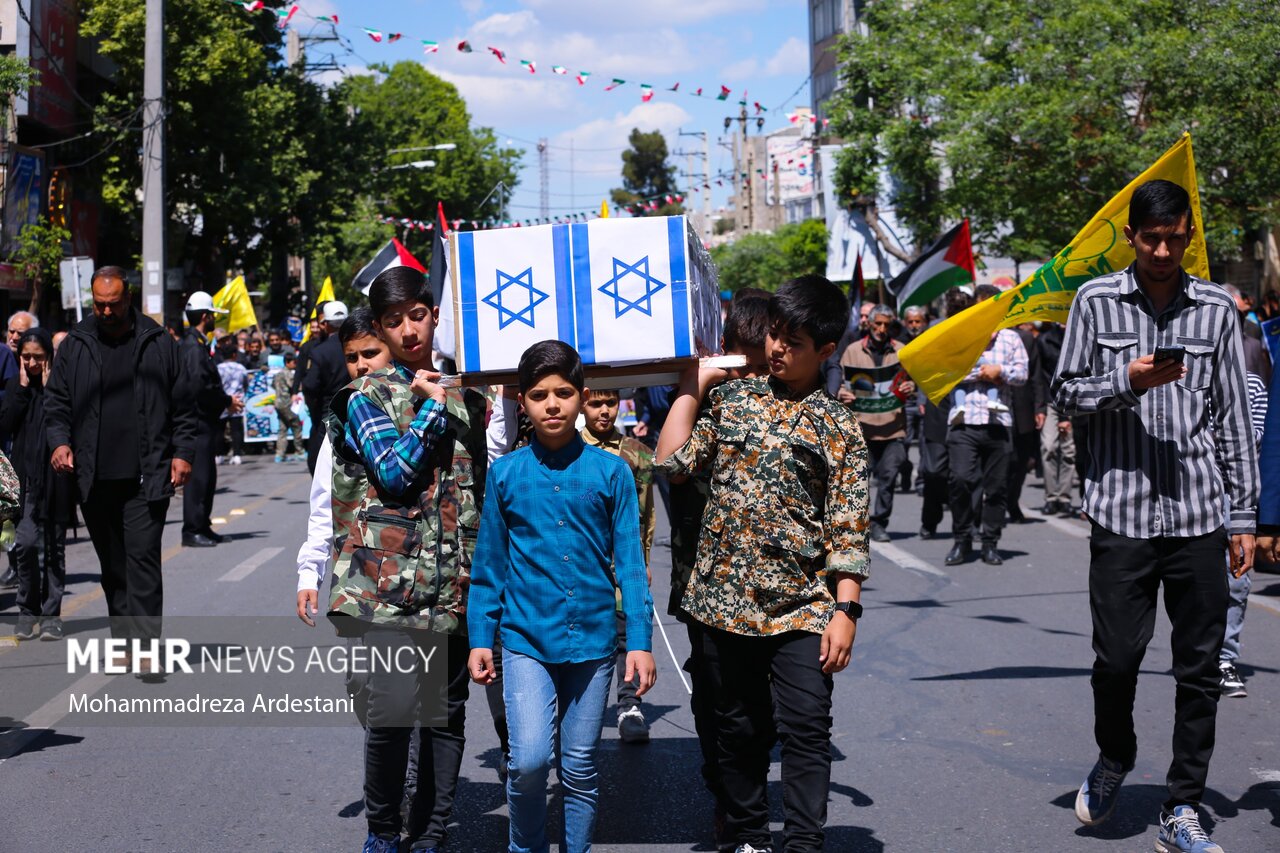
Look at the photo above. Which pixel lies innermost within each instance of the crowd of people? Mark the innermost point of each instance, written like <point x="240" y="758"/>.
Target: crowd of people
<point x="511" y="528"/>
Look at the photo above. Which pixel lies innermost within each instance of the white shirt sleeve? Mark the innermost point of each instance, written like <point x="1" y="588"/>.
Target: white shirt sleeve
<point x="313" y="556"/>
<point x="502" y="426"/>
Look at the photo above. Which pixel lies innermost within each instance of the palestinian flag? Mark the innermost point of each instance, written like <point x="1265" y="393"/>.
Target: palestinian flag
<point x="391" y="255"/>
<point x="944" y="265"/>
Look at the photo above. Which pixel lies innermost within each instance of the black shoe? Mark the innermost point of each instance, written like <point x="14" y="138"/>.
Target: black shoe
<point x="1069" y="511"/>
<point x="28" y="628"/>
<point x="9" y="579"/>
<point x="1051" y="508"/>
<point x="1016" y="517"/>
<point x="991" y="556"/>
<point x="879" y="534"/>
<point x="960" y="552"/>
<point x="217" y="538"/>
<point x="927" y="532"/>
<point x="51" y="629"/>
<point x="198" y="541"/>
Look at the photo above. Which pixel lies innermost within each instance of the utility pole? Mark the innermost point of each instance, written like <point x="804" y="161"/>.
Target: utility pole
<point x="153" y="208"/>
<point x="706" y="191"/>
<point x="750" y="182"/>
<point x="544" y="181"/>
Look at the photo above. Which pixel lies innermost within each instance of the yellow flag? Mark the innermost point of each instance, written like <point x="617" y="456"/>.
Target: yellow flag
<point x="325" y="295"/>
<point x="234" y="298"/>
<point x="943" y="355"/>
<point x="604" y="209"/>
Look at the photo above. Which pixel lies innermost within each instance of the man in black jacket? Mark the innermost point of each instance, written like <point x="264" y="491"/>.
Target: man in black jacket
<point x="119" y="416"/>
<point x="210" y="402"/>
<point x="326" y="376"/>
<point x="1027" y="404"/>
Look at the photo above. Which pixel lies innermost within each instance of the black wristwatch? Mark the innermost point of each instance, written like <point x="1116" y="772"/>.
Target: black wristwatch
<point x="852" y="609"/>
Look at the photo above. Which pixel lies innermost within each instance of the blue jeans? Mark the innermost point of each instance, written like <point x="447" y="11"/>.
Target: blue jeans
<point x="541" y="698"/>
<point x="1239" y="588"/>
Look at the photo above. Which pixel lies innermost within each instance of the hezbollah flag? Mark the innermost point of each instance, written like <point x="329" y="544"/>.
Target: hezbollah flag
<point x="234" y="299"/>
<point x="944" y="354"/>
<point x="944" y="265"/>
<point x="325" y="295"/>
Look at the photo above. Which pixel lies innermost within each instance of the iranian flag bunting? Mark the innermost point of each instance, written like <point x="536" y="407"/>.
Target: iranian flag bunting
<point x="581" y="77"/>
<point x="394" y="254"/>
<point x="646" y="93"/>
<point x="559" y="69"/>
<point x="464" y="47"/>
<point x="615" y="84"/>
<point x="529" y="64"/>
<point x="373" y="34"/>
<point x="944" y="265"/>
<point x="502" y="57"/>
<point x="394" y="37"/>
<point x="328" y="19"/>
<point x="430" y="47"/>
<point x="724" y="93"/>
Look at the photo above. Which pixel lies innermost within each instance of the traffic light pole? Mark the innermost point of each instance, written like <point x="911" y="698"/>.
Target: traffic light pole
<point x="153" y="209"/>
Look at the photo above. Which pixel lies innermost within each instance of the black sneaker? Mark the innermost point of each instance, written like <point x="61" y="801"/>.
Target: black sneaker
<point x="1100" y="792"/>
<point x="1232" y="681"/>
<point x="28" y="628"/>
<point x="8" y="579"/>
<point x="927" y="532"/>
<point x="632" y="726"/>
<point x="51" y="630"/>
<point x="879" y="534"/>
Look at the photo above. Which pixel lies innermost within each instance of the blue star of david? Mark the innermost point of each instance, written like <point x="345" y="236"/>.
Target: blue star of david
<point x="613" y="287"/>
<point x="506" y="313"/>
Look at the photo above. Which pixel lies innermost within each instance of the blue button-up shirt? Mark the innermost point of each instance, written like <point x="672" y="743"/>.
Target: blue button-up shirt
<point x="558" y="527"/>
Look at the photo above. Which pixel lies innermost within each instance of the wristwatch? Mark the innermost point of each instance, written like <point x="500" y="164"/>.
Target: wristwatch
<point x="852" y="609"/>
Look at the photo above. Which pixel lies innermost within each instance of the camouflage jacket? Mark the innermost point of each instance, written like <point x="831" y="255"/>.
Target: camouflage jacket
<point x="640" y="460"/>
<point x="10" y="490"/>
<point x="281" y="383"/>
<point x="405" y="560"/>
<point x="787" y="512"/>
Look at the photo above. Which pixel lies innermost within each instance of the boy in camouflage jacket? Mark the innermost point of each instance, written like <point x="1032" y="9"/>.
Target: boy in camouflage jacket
<point x="781" y="560"/>
<point x="288" y="421"/>
<point x="404" y="537"/>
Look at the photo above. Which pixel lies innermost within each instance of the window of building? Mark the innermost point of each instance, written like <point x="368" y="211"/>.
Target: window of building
<point x="828" y="18"/>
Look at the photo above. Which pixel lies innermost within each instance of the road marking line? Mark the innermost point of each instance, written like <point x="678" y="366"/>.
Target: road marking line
<point x="894" y="554"/>
<point x="679" y="669"/>
<point x="1266" y="603"/>
<point x="218" y="520"/>
<point x="236" y="512"/>
<point x="47" y="715"/>
<point x="1067" y="526"/>
<point x="1266" y="775"/>
<point x="246" y="568"/>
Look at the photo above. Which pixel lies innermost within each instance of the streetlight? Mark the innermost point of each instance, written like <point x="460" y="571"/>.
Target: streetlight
<point x="443" y="146"/>
<point x="416" y="164"/>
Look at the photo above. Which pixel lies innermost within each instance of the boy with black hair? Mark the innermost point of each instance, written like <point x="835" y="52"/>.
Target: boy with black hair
<point x="601" y="411"/>
<point x="409" y="465"/>
<point x="779" y="601"/>
<point x="288" y="421"/>
<point x="560" y="529"/>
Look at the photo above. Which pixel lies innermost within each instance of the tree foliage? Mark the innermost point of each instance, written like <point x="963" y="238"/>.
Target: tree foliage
<point x="766" y="260"/>
<point x="40" y="248"/>
<point x="646" y="176"/>
<point x="1029" y="121"/>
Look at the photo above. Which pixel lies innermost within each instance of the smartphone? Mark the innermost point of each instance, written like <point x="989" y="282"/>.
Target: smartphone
<point x="1177" y="354"/>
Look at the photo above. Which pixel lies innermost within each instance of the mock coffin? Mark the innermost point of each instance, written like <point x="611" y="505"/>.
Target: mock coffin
<point x="621" y="291"/>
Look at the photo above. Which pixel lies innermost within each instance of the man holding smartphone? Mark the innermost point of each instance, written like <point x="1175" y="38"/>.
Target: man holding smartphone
<point x="1169" y="438"/>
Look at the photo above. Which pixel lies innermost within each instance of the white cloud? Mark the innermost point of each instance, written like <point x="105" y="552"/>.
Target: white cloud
<point x="623" y="16"/>
<point x="472" y="7"/>
<point x="598" y="144"/>
<point x="791" y="58"/>
<point x="510" y="100"/>
<point x="506" y="24"/>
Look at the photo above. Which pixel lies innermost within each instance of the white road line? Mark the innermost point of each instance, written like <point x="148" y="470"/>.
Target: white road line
<point x="895" y="554"/>
<point x="671" y="651"/>
<point x="47" y="715"/>
<point x="1074" y="528"/>
<point x="1265" y="602"/>
<point x="246" y="568"/>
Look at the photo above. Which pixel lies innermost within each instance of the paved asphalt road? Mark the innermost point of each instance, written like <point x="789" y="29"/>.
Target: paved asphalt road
<point x="963" y="723"/>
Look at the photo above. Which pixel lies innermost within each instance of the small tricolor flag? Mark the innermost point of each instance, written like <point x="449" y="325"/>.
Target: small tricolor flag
<point x="328" y="19"/>
<point x="373" y="34"/>
<point x="252" y="5"/>
<point x="675" y="88"/>
<point x="502" y="57"/>
<point x="759" y="109"/>
<point x="581" y="77"/>
<point x="394" y="254"/>
<point x="430" y="47"/>
<point x="724" y="93"/>
<point x="286" y="15"/>
<point x="394" y="37"/>
<point x="559" y="69"/>
<point x="697" y="93"/>
<point x="646" y="93"/>
<point x="615" y="84"/>
<point x="464" y="47"/>
<point x="529" y="64"/>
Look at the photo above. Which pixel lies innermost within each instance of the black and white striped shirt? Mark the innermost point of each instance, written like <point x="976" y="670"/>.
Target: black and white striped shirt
<point x="1159" y="460"/>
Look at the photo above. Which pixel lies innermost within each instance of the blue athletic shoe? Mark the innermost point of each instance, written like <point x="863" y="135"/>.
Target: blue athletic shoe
<point x="1180" y="832"/>
<point x="1100" y="792"/>
<point x="378" y="844"/>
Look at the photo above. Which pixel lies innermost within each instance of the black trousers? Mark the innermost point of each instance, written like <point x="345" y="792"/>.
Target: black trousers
<point x="126" y="528"/>
<point x="1026" y="449"/>
<point x="315" y="438"/>
<point x="197" y="495"/>
<point x="627" y="690"/>
<point x="758" y="682"/>
<point x="1125" y="576"/>
<point x="935" y="473"/>
<point x="979" y="466"/>
<point x="397" y="698"/>
<point x="41" y="549"/>
<point x="886" y="458"/>
<point x="235" y="444"/>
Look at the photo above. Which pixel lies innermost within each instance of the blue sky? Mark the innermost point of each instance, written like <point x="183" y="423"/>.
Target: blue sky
<point x="757" y="45"/>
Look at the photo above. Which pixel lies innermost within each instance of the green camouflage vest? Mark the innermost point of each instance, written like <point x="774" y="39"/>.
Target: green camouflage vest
<point x="405" y="560"/>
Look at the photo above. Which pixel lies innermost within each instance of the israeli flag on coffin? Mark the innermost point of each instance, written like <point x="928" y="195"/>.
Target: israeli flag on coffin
<point x="514" y="289"/>
<point x="631" y="290"/>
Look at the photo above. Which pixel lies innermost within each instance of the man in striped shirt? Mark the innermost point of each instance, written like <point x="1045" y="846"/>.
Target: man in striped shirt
<point x="1169" y="438"/>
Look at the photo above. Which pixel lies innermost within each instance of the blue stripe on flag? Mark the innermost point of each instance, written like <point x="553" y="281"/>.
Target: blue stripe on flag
<point x="564" y="282"/>
<point x="582" y="288"/>
<point x="470" y="309"/>
<point x="679" y="285"/>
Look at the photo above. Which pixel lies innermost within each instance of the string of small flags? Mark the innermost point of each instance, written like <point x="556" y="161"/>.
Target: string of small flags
<point x="647" y="90"/>
<point x="637" y="208"/>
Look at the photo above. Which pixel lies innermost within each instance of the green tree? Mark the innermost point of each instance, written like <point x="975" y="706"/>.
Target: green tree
<point x="766" y="260"/>
<point x="1037" y="118"/>
<point x="646" y="175"/>
<point x="40" y="248"/>
<point x="16" y="75"/>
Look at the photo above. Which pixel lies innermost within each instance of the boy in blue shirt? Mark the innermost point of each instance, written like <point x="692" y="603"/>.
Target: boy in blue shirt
<point x="560" y="520"/>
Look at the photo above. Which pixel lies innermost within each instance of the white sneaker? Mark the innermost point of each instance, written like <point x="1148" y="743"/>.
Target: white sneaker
<point x="217" y="460"/>
<point x="235" y="460"/>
